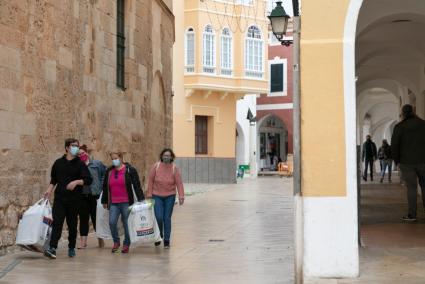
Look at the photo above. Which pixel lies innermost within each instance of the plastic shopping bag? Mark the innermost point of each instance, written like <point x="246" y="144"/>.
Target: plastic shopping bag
<point x="142" y="223"/>
<point x="103" y="230"/>
<point x="102" y="221"/>
<point x="34" y="228"/>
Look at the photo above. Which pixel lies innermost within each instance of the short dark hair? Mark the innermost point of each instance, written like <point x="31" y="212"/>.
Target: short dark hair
<point x="84" y="147"/>
<point x="69" y="141"/>
<point x="407" y="111"/>
<point x="173" y="156"/>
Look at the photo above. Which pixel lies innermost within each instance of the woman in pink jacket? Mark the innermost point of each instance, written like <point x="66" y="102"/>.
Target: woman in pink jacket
<point x="164" y="179"/>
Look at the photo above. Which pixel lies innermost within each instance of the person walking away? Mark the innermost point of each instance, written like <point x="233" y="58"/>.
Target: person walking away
<point x="90" y="195"/>
<point x="68" y="176"/>
<point x="384" y="155"/>
<point x="408" y="151"/>
<point x="164" y="179"/>
<point x="120" y="184"/>
<point x="369" y="155"/>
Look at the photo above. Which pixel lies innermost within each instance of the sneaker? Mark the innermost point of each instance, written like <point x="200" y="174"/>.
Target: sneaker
<point x="115" y="248"/>
<point x="125" y="249"/>
<point x="71" y="252"/>
<point x="409" y="218"/>
<point x="157" y="243"/>
<point x="166" y="244"/>
<point x="50" y="253"/>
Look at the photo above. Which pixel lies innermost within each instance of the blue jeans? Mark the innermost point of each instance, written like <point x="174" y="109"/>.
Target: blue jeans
<point x="163" y="211"/>
<point x="386" y="164"/>
<point x="115" y="211"/>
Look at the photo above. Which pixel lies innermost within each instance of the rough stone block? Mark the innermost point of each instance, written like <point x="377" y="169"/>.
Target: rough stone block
<point x="65" y="57"/>
<point x="9" y="140"/>
<point x="5" y="99"/>
<point x="50" y="70"/>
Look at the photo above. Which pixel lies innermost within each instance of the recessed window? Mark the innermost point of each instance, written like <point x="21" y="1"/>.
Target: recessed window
<point x="120" y="44"/>
<point x="208" y="58"/>
<point x="254" y="53"/>
<point x="189" y="61"/>
<point x="276" y="78"/>
<point x="201" y="135"/>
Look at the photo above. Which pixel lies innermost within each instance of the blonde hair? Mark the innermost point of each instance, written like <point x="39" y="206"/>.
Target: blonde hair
<point x="119" y="153"/>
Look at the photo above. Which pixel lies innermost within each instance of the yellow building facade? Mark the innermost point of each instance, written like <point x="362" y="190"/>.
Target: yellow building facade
<point x="220" y="55"/>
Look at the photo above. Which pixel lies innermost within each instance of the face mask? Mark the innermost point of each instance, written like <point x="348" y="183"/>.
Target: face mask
<point x="166" y="160"/>
<point x="74" y="150"/>
<point x="84" y="157"/>
<point x="116" y="163"/>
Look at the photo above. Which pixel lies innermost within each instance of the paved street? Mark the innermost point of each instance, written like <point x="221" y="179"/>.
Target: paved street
<point x="236" y="234"/>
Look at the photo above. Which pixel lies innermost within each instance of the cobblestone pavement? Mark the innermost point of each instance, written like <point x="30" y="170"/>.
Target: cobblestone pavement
<point x="240" y="233"/>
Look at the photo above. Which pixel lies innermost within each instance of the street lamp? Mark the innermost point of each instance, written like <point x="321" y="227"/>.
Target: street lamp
<point x="279" y="22"/>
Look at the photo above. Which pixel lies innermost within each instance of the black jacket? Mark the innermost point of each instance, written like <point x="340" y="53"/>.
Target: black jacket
<point x="63" y="172"/>
<point x="369" y="151"/>
<point x="408" y="141"/>
<point x="131" y="178"/>
<point x="384" y="152"/>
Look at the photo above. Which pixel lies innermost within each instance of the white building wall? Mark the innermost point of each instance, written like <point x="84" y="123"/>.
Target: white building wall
<point x="249" y="144"/>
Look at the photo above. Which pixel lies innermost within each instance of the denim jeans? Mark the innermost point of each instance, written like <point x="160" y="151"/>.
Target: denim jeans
<point x="386" y="163"/>
<point x="115" y="211"/>
<point x="163" y="211"/>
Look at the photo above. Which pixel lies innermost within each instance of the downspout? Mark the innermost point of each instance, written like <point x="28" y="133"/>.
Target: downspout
<point x="298" y="201"/>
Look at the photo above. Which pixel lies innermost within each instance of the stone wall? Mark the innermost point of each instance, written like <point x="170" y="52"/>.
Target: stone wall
<point x="57" y="80"/>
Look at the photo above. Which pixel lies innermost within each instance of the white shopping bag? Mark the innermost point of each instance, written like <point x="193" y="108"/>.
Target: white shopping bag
<point x="34" y="228"/>
<point x="103" y="230"/>
<point x="102" y="221"/>
<point x="142" y="223"/>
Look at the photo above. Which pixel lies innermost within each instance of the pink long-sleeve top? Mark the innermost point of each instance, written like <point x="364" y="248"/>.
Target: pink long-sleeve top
<point x="164" y="179"/>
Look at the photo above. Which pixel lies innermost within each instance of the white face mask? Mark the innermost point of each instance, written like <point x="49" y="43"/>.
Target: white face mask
<point x="73" y="150"/>
<point x="116" y="163"/>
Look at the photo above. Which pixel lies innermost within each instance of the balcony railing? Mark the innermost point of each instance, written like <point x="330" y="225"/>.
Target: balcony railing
<point x="254" y="74"/>
<point x="210" y="70"/>
<point x="226" y="72"/>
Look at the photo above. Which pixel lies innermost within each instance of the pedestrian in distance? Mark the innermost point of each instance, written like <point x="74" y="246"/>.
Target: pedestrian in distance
<point x="68" y="176"/>
<point x="408" y="151"/>
<point x="90" y="195"/>
<point x="121" y="186"/>
<point x="385" y="158"/>
<point x="369" y="155"/>
<point x="164" y="179"/>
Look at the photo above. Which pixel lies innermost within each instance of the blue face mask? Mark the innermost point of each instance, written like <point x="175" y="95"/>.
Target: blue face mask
<point x="116" y="163"/>
<point x="73" y="150"/>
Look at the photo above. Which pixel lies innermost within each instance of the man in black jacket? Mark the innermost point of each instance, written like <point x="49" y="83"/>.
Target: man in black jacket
<point x="68" y="176"/>
<point x="408" y="151"/>
<point x="369" y="155"/>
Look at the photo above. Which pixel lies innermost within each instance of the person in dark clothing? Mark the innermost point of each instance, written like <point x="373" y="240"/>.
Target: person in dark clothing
<point x="68" y="175"/>
<point x="120" y="184"/>
<point x="408" y="151"/>
<point x="384" y="155"/>
<point x="369" y="155"/>
<point x="90" y="196"/>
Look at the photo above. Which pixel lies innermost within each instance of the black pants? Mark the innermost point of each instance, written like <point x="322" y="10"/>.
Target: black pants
<point x="411" y="174"/>
<point x="65" y="209"/>
<point x="87" y="211"/>
<point x="366" y="165"/>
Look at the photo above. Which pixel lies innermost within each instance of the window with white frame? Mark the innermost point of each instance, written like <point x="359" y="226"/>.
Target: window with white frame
<point x="226" y="52"/>
<point x="254" y="53"/>
<point x="189" y="60"/>
<point x="208" y="58"/>
<point x="278" y="71"/>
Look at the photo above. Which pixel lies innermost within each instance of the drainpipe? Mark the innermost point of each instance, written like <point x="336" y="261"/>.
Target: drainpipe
<point x="298" y="202"/>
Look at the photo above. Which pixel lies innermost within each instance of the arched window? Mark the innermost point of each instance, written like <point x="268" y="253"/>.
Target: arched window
<point x="208" y="58"/>
<point x="254" y="53"/>
<point x="189" y="51"/>
<point x="226" y="52"/>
